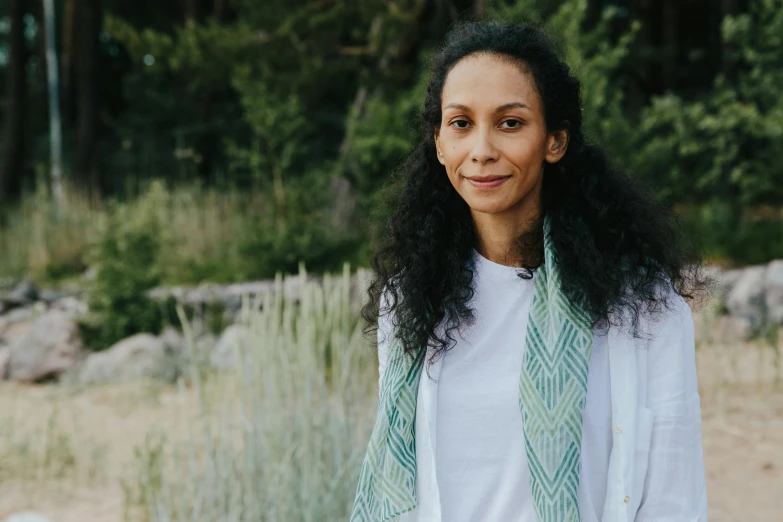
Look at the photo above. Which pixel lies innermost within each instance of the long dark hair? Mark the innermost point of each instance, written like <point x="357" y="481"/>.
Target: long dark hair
<point x="617" y="248"/>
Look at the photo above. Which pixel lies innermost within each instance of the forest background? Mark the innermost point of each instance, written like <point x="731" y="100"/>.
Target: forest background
<point x="227" y="140"/>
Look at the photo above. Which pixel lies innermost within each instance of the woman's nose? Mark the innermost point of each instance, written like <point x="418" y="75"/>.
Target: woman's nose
<point x="484" y="149"/>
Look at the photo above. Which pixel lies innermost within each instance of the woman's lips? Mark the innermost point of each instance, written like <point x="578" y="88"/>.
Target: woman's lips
<point x="490" y="184"/>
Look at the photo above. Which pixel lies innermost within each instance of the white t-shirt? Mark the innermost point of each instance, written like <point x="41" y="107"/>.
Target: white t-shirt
<point x="481" y="464"/>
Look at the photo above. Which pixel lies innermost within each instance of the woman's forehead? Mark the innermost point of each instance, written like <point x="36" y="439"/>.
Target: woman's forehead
<point x="485" y="81"/>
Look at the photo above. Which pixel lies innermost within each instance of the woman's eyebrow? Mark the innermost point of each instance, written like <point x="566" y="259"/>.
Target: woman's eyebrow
<point x="514" y="105"/>
<point x="458" y="106"/>
<point x="505" y="107"/>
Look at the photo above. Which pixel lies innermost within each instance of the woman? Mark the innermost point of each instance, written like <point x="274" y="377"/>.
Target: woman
<point x="542" y="292"/>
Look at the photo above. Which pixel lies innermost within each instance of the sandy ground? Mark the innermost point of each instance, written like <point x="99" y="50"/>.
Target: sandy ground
<point x="70" y="454"/>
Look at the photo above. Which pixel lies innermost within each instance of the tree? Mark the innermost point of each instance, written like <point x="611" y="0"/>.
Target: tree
<point x="90" y="16"/>
<point x="12" y="165"/>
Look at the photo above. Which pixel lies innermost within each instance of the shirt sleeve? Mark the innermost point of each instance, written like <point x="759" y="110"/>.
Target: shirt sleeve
<point x="674" y="487"/>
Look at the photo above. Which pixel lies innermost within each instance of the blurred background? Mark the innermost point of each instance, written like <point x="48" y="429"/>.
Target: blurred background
<point x="162" y="161"/>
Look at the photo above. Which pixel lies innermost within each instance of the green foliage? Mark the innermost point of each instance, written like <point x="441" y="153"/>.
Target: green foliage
<point x="125" y="254"/>
<point x="271" y="102"/>
<point x="273" y="244"/>
<point x="720" y="150"/>
<point x="731" y="239"/>
<point x="724" y="144"/>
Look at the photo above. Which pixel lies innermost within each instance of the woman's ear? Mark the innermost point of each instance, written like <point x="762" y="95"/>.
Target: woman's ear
<point x="556" y="145"/>
<point x="437" y="147"/>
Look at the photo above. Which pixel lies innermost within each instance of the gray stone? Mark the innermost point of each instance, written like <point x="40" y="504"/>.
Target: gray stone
<point x="20" y="315"/>
<point x="11" y="331"/>
<point x="5" y="358"/>
<point x="72" y="306"/>
<point x="234" y="337"/>
<point x="25" y="292"/>
<point x="90" y="274"/>
<point x="723" y="280"/>
<point x="773" y="292"/>
<point x="26" y="516"/>
<point x="729" y="329"/>
<point x="50" y="296"/>
<point x="49" y="347"/>
<point x="139" y="356"/>
<point x="746" y="297"/>
<point x="173" y="340"/>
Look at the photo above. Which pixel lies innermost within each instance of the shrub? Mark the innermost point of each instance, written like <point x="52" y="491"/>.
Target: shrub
<point x="125" y="254"/>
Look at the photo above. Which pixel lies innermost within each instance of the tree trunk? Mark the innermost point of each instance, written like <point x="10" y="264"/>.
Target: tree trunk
<point x="68" y="57"/>
<point x="190" y="10"/>
<point x="219" y="10"/>
<point x="670" y="44"/>
<point x="12" y="166"/>
<point x="85" y="168"/>
<point x="479" y="9"/>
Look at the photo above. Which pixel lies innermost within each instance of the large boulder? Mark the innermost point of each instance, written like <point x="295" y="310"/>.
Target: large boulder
<point x="12" y="330"/>
<point x="139" y="356"/>
<point x="223" y="356"/>
<point x="746" y="297"/>
<point x="50" y="346"/>
<point x="773" y="292"/>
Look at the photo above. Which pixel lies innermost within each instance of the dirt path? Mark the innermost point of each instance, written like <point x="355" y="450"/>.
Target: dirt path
<point x="67" y="455"/>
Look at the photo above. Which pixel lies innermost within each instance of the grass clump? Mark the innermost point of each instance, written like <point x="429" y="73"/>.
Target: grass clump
<point x="282" y="436"/>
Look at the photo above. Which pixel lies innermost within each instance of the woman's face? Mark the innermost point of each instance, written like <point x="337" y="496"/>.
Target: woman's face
<point x="492" y="138"/>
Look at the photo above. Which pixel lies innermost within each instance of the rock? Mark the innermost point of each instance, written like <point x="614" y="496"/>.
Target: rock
<point x="722" y="329"/>
<point x="729" y="329"/>
<point x="90" y="274"/>
<point x="746" y="297"/>
<point x="12" y="331"/>
<point x="173" y="340"/>
<point x="139" y="356"/>
<point x="5" y="357"/>
<point x="223" y="356"/>
<point x="49" y="347"/>
<point x="27" y="516"/>
<point x="205" y="344"/>
<point x="72" y="306"/>
<point x="773" y="292"/>
<point x="20" y="315"/>
<point x="25" y="292"/>
<point x="50" y="296"/>
<point x="724" y="281"/>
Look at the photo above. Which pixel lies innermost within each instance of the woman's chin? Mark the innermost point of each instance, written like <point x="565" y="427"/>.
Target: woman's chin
<point x="488" y="207"/>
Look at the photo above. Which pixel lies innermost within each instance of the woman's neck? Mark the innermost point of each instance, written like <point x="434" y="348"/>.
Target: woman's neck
<point x="498" y="237"/>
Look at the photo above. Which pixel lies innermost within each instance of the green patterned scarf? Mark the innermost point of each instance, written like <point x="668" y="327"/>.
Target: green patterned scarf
<point x="552" y="391"/>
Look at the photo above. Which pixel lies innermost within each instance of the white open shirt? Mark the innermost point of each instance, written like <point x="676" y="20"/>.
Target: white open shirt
<point x="643" y="391"/>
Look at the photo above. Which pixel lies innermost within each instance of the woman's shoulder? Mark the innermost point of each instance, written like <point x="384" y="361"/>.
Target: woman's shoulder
<point x="665" y="335"/>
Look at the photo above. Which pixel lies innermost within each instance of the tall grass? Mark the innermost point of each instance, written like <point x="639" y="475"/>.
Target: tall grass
<point x="204" y="234"/>
<point x="282" y="436"/>
<point x="41" y="240"/>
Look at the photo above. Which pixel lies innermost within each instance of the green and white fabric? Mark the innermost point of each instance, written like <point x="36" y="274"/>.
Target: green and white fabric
<point x="552" y="391"/>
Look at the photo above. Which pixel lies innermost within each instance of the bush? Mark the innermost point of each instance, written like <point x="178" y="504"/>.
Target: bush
<point x="125" y="255"/>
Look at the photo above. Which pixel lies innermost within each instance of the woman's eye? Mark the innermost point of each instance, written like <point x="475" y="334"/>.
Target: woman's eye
<point x="460" y="124"/>
<point x="512" y="124"/>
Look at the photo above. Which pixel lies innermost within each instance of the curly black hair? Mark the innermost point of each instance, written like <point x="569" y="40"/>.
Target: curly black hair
<point x="616" y="247"/>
